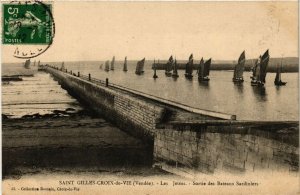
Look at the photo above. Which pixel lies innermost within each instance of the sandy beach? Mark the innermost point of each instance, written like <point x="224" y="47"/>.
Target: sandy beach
<point x="77" y="143"/>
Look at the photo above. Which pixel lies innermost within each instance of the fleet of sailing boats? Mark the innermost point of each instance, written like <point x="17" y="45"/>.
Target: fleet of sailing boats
<point x="258" y="78"/>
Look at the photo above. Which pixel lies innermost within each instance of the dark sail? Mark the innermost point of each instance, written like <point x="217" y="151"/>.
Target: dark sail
<point x="112" y="65"/>
<point x="62" y="66"/>
<point x="154" y="67"/>
<point x="239" y="69"/>
<point x="263" y="66"/>
<point x="107" y="65"/>
<point x="189" y="67"/>
<point x="140" y="67"/>
<point x="27" y="64"/>
<point x="125" y="64"/>
<point x="175" y="73"/>
<point x="169" y="66"/>
<point x="277" y="80"/>
<point x="207" y="68"/>
<point x="201" y="69"/>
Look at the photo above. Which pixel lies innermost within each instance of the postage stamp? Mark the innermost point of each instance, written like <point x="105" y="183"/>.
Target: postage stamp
<point x="27" y="23"/>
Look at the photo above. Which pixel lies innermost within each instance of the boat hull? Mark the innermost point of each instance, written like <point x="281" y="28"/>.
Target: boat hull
<point x="188" y="76"/>
<point x="205" y="79"/>
<point x="257" y="83"/>
<point x="168" y="74"/>
<point x="238" y="80"/>
<point x="280" y="83"/>
<point x="139" y="73"/>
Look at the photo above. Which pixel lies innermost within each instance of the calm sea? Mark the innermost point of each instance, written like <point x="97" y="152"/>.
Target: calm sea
<point x="220" y="94"/>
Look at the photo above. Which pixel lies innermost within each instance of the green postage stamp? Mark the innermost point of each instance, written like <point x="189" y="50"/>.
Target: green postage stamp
<point x="29" y="22"/>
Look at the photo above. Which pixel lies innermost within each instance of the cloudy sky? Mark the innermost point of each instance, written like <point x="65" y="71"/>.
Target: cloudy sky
<point x="221" y="30"/>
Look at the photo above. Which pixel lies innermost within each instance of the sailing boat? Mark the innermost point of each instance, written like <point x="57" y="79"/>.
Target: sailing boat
<point x="107" y="66"/>
<point x="260" y="70"/>
<point x="239" y="69"/>
<point x="189" y="68"/>
<point x="140" y="67"/>
<point x="204" y="69"/>
<point x="27" y="64"/>
<point x="62" y="68"/>
<point x="277" y="80"/>
<point x="169" y="67"/>
<point x="175" y="73"/>
<point x="154" y="67"/>
<point x="112" y="65"/>
<point x="125" y="65"/>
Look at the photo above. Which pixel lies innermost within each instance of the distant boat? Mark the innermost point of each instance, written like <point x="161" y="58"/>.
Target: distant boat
<point x="154" y="67"/>
<point x="107" y="66"/>
<point x="169" y="67"/>
<point x="203" y="71"/>
<point x="277" y="80"/>
<point x="112" y="65"/>
<point x="140" y="67"/>
<point x="239" y="69"/>
<point x="260" y="70"/>
<point x="62" y="66"/>
<point x="175" y="73"/>
<point x="125" y="65"/>
<point x="189" y="68"/>
<point x="27" y="64"/>
<point x="101" y="66"/>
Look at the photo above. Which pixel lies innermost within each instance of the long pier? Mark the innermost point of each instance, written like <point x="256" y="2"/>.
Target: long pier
<point x="202" y="140"/>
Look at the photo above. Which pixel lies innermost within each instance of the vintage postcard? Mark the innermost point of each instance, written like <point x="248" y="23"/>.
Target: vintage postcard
<point x="150" y="97"/>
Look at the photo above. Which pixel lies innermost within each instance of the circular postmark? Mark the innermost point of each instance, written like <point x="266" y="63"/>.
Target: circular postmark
<point x="29" y="26"/>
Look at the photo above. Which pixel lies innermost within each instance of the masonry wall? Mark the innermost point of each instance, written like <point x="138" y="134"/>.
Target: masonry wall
<point x="208" y="152"/>
<point x="134" y="115"/>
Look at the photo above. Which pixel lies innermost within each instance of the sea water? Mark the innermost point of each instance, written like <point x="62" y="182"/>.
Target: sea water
<point x="219" y="94"/>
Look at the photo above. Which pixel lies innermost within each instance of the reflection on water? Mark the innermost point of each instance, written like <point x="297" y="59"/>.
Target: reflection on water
<point x="260" y="93"/>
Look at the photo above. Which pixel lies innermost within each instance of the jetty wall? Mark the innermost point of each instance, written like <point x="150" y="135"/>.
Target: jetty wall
<point x="130" y="110"/>
<point x="127" y="112"/>
<point x="235" y="149"/>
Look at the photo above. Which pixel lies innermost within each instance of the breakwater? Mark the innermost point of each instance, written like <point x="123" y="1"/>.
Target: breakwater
<point x="132" y="111"/>
<point x="201" y="140"/>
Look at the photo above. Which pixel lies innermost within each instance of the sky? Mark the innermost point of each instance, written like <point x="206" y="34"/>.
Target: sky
<point x="220" y="30"/>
